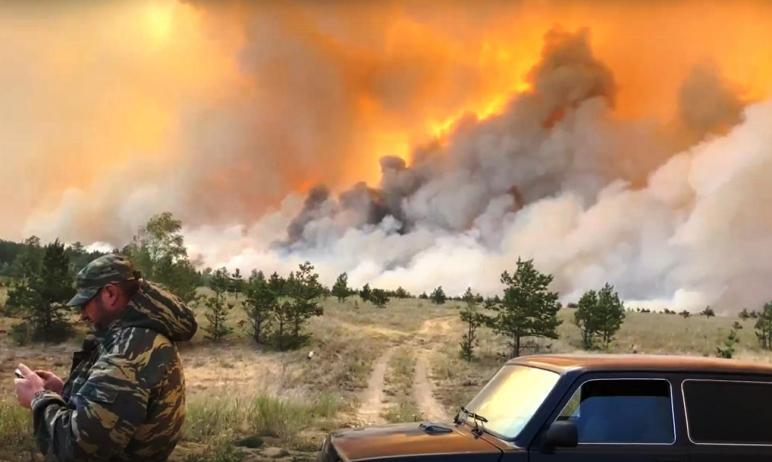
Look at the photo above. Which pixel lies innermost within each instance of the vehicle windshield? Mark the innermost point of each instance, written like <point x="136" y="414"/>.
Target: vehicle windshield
<point x="510" y="399"/>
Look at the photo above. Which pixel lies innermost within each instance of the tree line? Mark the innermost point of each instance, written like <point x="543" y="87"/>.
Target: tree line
<point x="40" y="277"/>
<point x="278" y="307"/>
<point x="528" y="308"/>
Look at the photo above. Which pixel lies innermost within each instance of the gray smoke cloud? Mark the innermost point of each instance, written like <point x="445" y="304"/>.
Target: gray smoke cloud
<point x="554" y="178"/>
<point x="523" y="155"/>
<point x="672" y="217"/>
<point x="707" y="103"/>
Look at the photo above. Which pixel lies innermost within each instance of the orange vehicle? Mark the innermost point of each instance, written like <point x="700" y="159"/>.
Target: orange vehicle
<point x="603" y="408"/>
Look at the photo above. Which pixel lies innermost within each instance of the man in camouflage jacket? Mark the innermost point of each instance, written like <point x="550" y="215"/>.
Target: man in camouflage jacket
<point x="125" y="397"/>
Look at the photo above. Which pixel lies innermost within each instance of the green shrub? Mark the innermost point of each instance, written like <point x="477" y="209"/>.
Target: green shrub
<point x="21" y="334"/>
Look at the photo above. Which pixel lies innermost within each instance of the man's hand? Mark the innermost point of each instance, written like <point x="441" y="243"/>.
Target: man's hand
<point x="50" y="381"/>
<point x="28" y="386"/>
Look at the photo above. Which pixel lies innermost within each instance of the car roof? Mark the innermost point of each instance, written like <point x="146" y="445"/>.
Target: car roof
<point x="634" y="363"/>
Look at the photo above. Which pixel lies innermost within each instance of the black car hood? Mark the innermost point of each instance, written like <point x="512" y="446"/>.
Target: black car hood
<point x="410" y="440"/>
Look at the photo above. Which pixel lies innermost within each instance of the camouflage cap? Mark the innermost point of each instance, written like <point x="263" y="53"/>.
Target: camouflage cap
<point x="100" y="272"/>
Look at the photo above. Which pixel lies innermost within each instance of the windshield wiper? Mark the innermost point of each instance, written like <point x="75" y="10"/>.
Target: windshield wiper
<point x="479" y="421"/>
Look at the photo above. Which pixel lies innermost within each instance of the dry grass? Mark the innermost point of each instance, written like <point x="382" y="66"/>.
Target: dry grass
<point x="399" y="386"/>
<point x="343" y="356"/>
<point x="15" y="432"/>
<point x="238" y="389"/>
<point x="400" y="315"/>
<point x="659" y="333"/>
<point x="236" y="414"/>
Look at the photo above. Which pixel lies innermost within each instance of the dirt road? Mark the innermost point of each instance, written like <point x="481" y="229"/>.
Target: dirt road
<point x="422" y="341"/>
<point x="372" y="398"/>
<point x="430" y="408"/>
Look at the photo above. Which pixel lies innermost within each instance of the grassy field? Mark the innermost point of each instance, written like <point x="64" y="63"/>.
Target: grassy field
<point x="246" y="401"/>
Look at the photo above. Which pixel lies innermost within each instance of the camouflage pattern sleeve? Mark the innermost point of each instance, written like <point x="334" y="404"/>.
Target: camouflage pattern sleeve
<point x="102" y="417"/>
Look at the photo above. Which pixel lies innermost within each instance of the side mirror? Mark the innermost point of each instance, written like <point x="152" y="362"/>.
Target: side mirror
<point x="561" y="434"/>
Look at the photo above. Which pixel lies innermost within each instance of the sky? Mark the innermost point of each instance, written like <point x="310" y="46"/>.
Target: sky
<point x="609" y="141"/>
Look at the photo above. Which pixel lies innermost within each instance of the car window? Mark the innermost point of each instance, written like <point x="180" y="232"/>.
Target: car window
<point x="622" y="412"/>
<point x="728" y="412"/>
<point x="511" y="398"/>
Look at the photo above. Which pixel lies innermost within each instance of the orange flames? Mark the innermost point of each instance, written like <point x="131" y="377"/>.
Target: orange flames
<point x="478" y="61"/>
<point x="386" y="76"/>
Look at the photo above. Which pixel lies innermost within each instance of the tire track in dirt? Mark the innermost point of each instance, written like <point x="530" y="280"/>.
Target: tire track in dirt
<point x="372" y="398"/>
<point x="423" y="393"/>
<point x="429" y="336"/>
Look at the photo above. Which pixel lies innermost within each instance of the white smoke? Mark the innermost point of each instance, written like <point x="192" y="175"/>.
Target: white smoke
<point x="554" y="178"/>
<point x="697" y="233"/>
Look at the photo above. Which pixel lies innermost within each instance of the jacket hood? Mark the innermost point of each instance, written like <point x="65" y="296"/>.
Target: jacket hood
<point x="155" y="308"/>
<point x="413" y="440"/>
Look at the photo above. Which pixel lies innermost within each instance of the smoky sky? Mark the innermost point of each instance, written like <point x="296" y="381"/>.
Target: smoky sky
<point x="403" y="144"/>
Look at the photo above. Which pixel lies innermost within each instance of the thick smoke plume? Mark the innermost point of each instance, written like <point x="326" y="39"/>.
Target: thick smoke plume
<point x="403" y="146"/>
<point x="555" y="178"/>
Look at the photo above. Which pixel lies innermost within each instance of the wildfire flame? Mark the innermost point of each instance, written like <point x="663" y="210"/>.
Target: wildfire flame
<point x="316" y="92"/>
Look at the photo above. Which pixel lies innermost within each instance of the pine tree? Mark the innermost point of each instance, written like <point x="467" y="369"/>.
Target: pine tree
<point x="28" y="261"/>
<point x="587" y="319"/>
<point x="726" y="349"/>
<point x="379" y="298"/>
<point x="282" y="317"/>
<point x="236" y="282"/>
<point x="276" y="283"/>
<point x="401" y="293"/>
<point x="217" y="308"/>
<point x="612" y="313"/>
<point x="438" y="296"/>
<point x="304" y="289"/>
<point x="26" y="268"/>
<point x="708" y="312"/>
<point x="473" y="319"/>
<point x="528" y="308"/>
<point x="366" y="293"/>
<point x="764" y="327"/>
<point x="260" y="304"/>
<point x="600" y="314"/>
<point x="217" y="315"/>
<point x="220" y="281"/>
<point x="43" y="291"/>
<point x="340" y="289"/>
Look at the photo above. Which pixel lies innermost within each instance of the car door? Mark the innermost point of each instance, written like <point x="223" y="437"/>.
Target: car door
<point x="729" y="418"/>
<point x="629" y="419"/>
